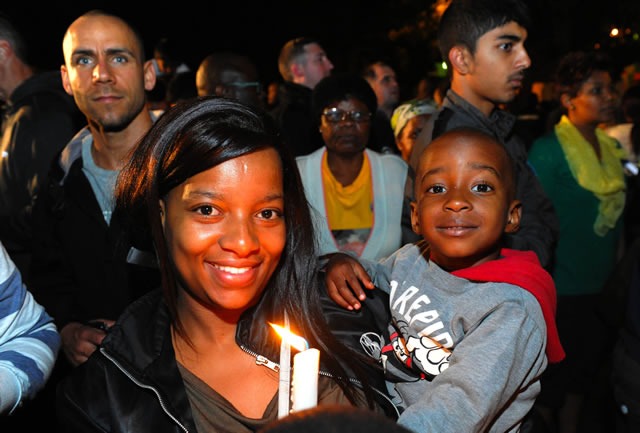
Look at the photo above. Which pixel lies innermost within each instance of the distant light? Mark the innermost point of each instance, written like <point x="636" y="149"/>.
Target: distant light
<point x="614" y="32"/>
<point x="636" y="36"/>
<point x="627" y="31"/>
<point x="444" y="65"/>
<point x="596" y="46"/>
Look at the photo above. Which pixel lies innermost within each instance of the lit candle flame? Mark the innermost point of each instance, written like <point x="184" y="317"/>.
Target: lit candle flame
<point x="294" y="340"/>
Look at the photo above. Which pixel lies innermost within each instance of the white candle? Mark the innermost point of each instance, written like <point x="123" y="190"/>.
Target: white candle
<point x="284" y="385"/>
<point x="305" y="379"/>
<point x="306" y="365"/>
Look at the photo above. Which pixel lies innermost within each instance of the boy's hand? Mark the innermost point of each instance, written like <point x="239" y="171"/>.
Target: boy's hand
<point x="345" y="277"/>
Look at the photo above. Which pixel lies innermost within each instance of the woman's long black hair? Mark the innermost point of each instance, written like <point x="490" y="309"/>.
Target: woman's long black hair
<point x="193" y="137"/>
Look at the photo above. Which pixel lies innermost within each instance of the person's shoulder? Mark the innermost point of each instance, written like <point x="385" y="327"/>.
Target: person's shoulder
<point x="517" y="272"/>
<point x="309" y="164"/>
<point x="414" y="249"/>
<point x="138" y="314"/>
<point x="388" y="157"/>
<point x="407" y="256"/>
<point x="70" y="154"/>
<point x="78" y="403"/>
<point x="503" y="300"/>
<point x="548" y="139"/>
<point x="523" y="268"/>
<point x="389" y="160"/>
<point x="313" y="155"/>
<point x="131" y="336"/>
<point x="545" y="148"/>
<point x="44" y="92"/>
<point x="456" y="112"/>
<point x="294" y="97"/>
<point x="6" y="266"/>
<point x="526" y="283"/>
<point x="513" y="293"/>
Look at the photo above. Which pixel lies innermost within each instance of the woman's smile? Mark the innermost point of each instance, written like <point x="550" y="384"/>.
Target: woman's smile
<point x="233" y="270"/>
<point x="234" y="276"/>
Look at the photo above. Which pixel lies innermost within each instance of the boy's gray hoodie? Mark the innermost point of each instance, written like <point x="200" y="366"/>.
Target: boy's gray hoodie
<point x="460" y="356"/>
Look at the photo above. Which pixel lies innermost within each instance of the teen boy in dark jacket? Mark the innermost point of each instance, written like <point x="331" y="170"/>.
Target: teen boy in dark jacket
<point x="487" y="63"/>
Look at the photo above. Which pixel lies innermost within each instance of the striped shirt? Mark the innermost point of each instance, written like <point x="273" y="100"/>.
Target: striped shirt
<point x="29" y="341"/>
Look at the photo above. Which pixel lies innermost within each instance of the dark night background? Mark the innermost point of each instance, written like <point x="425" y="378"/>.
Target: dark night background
<point x="401" y="31"/>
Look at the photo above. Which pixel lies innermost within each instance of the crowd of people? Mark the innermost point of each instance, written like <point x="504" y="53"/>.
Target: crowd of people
<point x="454" y="276"/>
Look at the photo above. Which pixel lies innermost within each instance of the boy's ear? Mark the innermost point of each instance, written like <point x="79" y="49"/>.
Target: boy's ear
<point x="513" y="217"/>
<point x="415" y="221"/>
<point x="460" y="59"/>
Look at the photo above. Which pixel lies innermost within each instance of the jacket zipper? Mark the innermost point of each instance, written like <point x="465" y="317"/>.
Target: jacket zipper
<point x="261" y="360"/>
<point x="142" y="385"/>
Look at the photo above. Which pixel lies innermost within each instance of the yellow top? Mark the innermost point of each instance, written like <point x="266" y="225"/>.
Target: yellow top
<point x="348" y="207"/>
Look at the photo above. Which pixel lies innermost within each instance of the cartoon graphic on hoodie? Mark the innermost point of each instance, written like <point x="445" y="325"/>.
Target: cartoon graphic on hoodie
<point x="421" y="354"/>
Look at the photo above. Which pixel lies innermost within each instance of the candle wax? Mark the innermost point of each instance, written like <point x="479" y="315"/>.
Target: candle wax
<point x="305" y="379"/>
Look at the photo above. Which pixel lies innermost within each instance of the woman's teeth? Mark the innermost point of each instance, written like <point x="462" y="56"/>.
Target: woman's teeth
<point x="232" y="270"/>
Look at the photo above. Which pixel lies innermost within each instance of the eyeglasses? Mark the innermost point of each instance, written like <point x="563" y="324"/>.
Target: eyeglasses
<point x="335" y="115"/>
<point x="244" y="85"/>
<point x="223" y="89"/>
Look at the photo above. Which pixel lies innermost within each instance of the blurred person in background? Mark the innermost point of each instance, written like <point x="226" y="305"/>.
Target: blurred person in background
<point x="581" y="171"/>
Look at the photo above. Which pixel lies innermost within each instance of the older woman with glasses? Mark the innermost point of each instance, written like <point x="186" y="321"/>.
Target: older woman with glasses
<point x="355" y="193"/>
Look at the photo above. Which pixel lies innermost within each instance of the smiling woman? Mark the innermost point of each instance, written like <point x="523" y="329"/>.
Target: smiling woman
<point x="212" y="188"/>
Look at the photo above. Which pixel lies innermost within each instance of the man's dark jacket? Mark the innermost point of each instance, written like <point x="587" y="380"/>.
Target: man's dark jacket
<point x="294" y="117"/>
<point x="80" y="269"/>
<point x="41" y="118"/>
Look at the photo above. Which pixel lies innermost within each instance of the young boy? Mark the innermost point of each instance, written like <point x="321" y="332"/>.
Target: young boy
<point x="466" y="344"/>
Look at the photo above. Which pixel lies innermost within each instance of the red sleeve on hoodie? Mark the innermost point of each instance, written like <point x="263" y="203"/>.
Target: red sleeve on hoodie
<point x="522" y="269"/>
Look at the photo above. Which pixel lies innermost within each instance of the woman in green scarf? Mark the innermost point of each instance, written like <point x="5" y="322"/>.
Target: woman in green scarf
<point x="580" y="169"/>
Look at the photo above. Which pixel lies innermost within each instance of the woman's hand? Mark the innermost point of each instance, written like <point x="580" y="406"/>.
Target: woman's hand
<point x="345" y="277"/>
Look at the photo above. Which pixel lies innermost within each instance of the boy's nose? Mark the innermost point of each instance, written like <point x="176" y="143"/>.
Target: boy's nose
<point x="457" y="202"/>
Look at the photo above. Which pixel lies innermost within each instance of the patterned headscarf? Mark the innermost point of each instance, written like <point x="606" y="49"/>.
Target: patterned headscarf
<point x="408" y="111"/>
